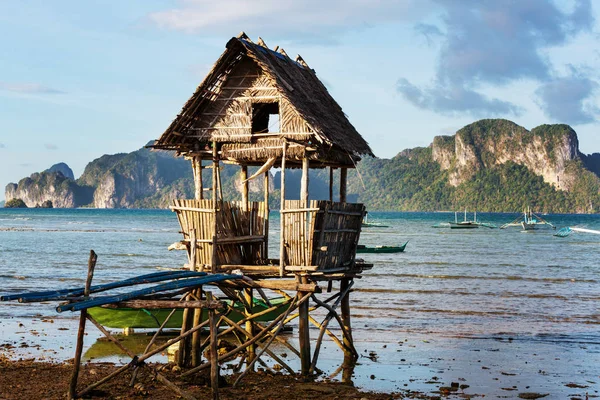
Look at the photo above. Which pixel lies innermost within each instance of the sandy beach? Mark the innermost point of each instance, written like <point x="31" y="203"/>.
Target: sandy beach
<point x="43" y="347"/>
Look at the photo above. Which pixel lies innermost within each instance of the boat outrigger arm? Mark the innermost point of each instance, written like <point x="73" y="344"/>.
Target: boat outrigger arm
<point x="564" y="232"/>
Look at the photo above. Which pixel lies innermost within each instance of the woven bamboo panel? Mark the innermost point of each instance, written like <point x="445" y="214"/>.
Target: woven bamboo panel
<point x="336" y="234"/>
<point x="325" y="234"/>
<point x="298" y="228"/>
<point x="246" y="228"/>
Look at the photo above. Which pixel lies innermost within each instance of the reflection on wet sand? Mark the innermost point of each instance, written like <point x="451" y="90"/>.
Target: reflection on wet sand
<point x="105" y="350"/>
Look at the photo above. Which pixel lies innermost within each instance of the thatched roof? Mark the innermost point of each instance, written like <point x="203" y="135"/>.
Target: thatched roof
<point x="293" y="80"/>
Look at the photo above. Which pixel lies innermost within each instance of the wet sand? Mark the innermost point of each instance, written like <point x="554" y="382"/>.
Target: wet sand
<point x="420" y="366"/>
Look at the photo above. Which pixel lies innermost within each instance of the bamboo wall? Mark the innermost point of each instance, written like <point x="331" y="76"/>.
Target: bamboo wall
<point x="240" y="237"/>
<point x="324" y="235"/>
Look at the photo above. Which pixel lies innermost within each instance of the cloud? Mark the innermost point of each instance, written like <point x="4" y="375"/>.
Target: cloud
<point x="490" y="43"/>
<point x="428" y="31"/>
<point x="28" y="88"/>
<point x="453" y="100"/>
<point x="307" y="20"/>
<point x="568" y="99"/>
<point x="50" y="146"/>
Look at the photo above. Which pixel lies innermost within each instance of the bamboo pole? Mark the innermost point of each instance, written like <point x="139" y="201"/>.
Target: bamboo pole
<point x="141" y="359"/>
<point x="349" y="358"/>
<point x="214" y="352"/>
<point x="257" y="337"/>
<point x="197" y="167"/>
<point x="158" y="375"/>
<point x="249" y="323"/>
<point x="304" y="183"/>
<point x="305" y="251"/>
<point x="281" y="219"/>
<point x="82" y="318"/>
<point x="213" y="260"/>
<point x="343" y="178"/>
<point x="266" y="346"/>
<point x="266" y="223"/>
<point x="244" y="178"/>
<point x="188" y="319"/>
<point x="269" y="352"/>
<point x="303" y="333"/>
<point x="196" y="356"/>
<point x="330" y="183"/>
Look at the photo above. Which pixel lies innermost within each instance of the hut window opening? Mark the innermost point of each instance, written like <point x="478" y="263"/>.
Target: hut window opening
<point x="265" y="117"/>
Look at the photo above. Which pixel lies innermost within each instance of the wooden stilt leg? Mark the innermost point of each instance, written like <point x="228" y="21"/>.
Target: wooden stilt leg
<point x="249" y="324"/>
<point x="304" y="334"/>
<point x="79" y="347"/>
<point x="196" y="355"/>
<point x="214" y="351"/>
<point x="349" y="358"/>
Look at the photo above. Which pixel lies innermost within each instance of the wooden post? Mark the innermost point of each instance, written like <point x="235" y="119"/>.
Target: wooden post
<point x="304" y="183"/>
<point x="343" y="176"/>
<point x="281" y="215"/>
<point x="304" y="333"/>
<point x="306" y="215"/>
<point x="345" y="308"/>
<point x="214" y="351"/>
<point x="82" y="318"/>
<point x="249" y="324"/>
<point x="196" y="356"/>
<point x="266" y="224"/>
<point x="213" y="259"/>
<point x="330" y="183"/>
<point x="199" y="188"/>
<point x="244" y="177"/>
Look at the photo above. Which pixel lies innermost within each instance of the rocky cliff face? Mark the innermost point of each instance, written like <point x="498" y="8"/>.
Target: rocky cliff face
<point x="63" y="169"/>
<point x="130" y="180"/>
<point x="546" y="151"/>
<point x="48" y="186"/>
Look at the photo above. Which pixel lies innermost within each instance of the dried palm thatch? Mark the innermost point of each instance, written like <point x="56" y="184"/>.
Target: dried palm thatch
<point x="248" y="83"/>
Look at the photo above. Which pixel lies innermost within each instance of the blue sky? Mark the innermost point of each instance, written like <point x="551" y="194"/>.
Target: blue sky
<point x="79" y="79"/>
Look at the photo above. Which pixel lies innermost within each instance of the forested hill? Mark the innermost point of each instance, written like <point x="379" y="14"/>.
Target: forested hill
<point x="489" y="165"/>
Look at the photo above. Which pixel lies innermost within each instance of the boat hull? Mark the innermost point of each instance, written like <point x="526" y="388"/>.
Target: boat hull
<point x="381" y="249"/>
<point x="153" y="318"/>
<point x="463" y="225"/>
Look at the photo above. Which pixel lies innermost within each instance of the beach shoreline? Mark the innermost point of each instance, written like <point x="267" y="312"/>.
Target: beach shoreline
<point x="410" y="368"/>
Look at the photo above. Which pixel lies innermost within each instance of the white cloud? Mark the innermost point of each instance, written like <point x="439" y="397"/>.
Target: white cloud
<point x="295" y="20"/>
<point x="28" y="88"/>
<point x="490" y="44"/>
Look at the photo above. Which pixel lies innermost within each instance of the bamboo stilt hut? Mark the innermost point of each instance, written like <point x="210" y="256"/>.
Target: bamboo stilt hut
<point x="258" y="107"/>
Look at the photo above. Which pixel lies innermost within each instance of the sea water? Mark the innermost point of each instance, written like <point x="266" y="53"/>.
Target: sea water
<point x="520" y="311"/>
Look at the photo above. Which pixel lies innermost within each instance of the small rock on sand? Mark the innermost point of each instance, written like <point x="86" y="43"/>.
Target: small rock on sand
<point x="532" y="395"/>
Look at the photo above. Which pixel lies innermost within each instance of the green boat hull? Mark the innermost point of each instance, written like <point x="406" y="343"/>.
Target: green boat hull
<point x="381" y="249"/>
<point x="153" y="318"/>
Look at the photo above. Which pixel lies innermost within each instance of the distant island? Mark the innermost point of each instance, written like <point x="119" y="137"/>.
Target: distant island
<point x="489" y="165"/>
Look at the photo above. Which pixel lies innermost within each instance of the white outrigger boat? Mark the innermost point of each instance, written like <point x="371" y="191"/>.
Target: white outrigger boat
<point x="529" y="221"/>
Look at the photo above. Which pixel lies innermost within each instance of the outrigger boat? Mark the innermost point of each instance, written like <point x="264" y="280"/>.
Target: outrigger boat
<point x="529" y="221"/>
<point x="367" y="224"/>
<point x="125" y="318"/>
<point x="381" y="249"/>
<point x="465" y="224"/>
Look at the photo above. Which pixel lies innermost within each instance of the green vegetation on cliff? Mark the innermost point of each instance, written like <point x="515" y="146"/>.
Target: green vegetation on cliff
<point x="489" y="165"/>
<point x="15" y="203"/>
